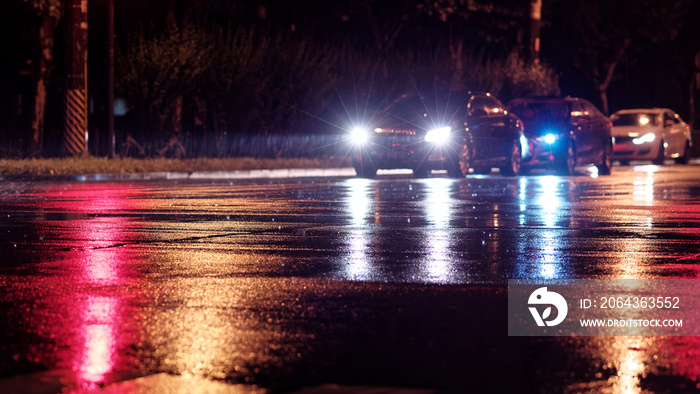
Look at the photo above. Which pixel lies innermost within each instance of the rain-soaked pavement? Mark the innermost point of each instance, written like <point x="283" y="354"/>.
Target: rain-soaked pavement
<point x="286" y="284"/>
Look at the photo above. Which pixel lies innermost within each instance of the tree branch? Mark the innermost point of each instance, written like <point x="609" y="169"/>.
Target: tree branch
<point x="610" y="73"/>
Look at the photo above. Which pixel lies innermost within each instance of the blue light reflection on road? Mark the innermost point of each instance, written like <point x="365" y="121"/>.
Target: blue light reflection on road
<point x="540" y="252"/>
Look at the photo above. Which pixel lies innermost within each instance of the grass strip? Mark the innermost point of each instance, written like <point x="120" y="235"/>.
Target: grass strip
<point x="125" y="165"/>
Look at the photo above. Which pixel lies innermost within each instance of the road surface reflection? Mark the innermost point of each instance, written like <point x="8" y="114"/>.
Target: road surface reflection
<point x="87" y="283"/>
<point x="439" y="204"/>
<point x="256" y="282"/>
<point x="359" y="265"/>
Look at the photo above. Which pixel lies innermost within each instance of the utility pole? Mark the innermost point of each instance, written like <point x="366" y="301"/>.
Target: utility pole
<point x="535" y="21"/>
<point x="110" y="79"/>
<point x="75" y="132"/>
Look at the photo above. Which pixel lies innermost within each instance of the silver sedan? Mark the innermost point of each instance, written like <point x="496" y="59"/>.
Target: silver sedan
<point x="654" y="134"/>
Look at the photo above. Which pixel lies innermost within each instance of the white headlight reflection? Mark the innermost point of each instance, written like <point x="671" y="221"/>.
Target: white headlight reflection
<point x="438" y="202"/>
<point x="357" y="265"/>
<point x="643" y="189"/>
<point x="549" y="200"/>
<point x="643" y="194"/>
<point x="438" y="266"/>
<point x="522" y="195"/>
<point x="359" y="202"/>
<point x="548" y="260"/>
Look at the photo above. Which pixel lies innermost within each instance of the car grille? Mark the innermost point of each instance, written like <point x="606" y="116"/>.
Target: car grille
<point x="623" y="140"/>
<point x="397" y="141"/>
<point x="624" y="153"/>
<point x="394" y="148"/>
<point x="394" y="132"/>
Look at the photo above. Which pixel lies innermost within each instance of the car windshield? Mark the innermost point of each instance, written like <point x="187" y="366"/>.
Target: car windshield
<point x="541" y="111"/>
<point x="443" y="108"/>
<point x="634" y="119"/>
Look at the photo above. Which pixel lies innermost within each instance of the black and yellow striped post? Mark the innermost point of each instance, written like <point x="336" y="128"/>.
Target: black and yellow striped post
<point x="75" y="131"/>
<point x="75" y="123"/>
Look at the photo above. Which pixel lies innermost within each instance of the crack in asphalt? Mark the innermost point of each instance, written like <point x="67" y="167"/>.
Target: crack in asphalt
<point x="179" y="240"/>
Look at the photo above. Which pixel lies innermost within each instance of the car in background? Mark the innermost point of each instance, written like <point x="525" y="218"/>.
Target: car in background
<point x="654" y="134"/>
<point x="443" y="131"/>
<point x="564" y="133"/>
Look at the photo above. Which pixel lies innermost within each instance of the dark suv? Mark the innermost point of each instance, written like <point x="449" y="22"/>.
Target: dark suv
<point x="445" y="131"/>
<point x="563" y="133"/>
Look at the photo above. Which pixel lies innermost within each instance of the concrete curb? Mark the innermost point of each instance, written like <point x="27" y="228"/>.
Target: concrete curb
<point x="239" y="174"/>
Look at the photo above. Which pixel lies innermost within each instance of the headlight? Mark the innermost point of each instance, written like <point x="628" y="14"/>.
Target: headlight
<point x="549" y="138"/>
<point x="645" y="138"/>
<point x="438" y="135"/>
<point x="359" y="136"/>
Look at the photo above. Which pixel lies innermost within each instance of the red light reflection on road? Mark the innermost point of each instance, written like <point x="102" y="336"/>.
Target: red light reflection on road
<point x="97" y="329"/>
<point x="98" y="270"/>
<point x="101" y="266"/>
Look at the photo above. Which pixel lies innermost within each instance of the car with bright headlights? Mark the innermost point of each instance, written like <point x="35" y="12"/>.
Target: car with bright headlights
<point x="562" y="133"/>
<point x="654" y="134"/>
<point x="452" y="131"/>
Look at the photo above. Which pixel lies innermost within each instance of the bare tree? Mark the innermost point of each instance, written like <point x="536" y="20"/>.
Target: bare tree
<point x="49" y="12"/>
<point x="594" y="36"/>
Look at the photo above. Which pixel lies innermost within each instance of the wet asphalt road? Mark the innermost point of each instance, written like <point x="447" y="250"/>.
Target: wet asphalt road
<point x="286" y="284"/>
